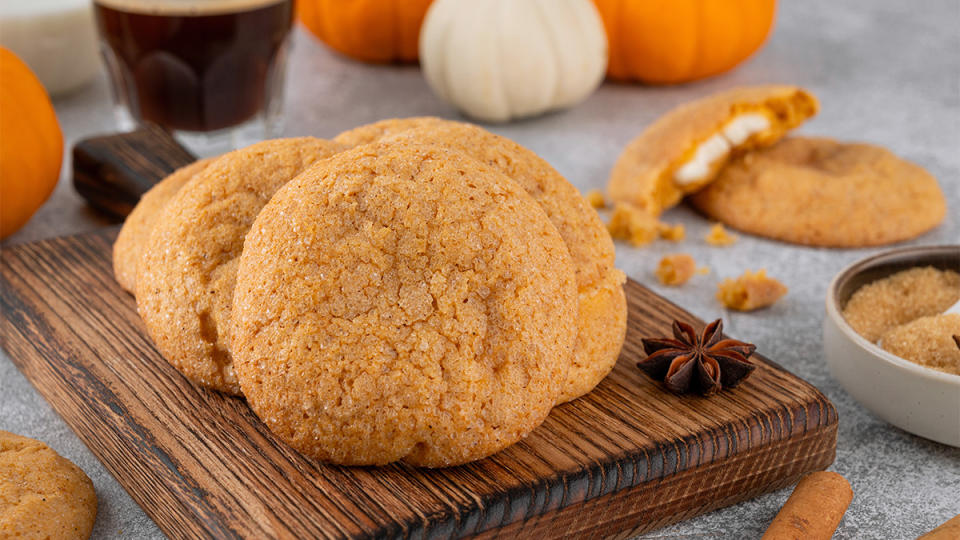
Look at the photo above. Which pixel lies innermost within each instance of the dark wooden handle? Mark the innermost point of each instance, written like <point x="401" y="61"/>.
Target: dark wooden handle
<point x="112" y="171"/>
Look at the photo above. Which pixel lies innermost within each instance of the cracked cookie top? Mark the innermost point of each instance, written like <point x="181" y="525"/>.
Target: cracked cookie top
<point x="603" y="307"/>
<point x="590" y="245"/>
<point x="403" y="301"/>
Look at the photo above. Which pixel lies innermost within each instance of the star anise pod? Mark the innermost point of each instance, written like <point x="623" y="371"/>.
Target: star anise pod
<point x="702" y="364"/>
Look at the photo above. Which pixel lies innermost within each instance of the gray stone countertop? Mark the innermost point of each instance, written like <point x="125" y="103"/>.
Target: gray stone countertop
<point x="886" y="72"/>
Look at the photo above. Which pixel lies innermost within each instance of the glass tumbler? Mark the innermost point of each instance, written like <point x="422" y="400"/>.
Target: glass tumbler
<point x="210" y="71"/>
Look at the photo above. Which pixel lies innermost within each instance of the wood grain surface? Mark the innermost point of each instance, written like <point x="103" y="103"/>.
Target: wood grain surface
<point x="112" y="171"/>
<point x="627" y="458"/>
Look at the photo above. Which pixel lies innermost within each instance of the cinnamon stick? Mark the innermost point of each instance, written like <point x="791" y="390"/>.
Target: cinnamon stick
<point x="813" y="510"/>
<point x="948" y="531"/>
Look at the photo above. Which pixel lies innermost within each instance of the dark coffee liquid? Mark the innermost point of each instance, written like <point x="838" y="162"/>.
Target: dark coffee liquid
<point x="196" y="72"/>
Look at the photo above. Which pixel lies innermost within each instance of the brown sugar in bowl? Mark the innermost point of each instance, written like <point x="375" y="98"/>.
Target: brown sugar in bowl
<point x="921" y="400"/>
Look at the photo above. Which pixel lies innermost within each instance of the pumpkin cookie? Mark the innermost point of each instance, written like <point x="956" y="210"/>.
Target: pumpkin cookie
<point x="603" y="306"/>
<point x="42" y="494"/>
<point x="136" y="228"/>
<point x="821" y="192"/>
<point x="683" y="150"/>
<point x="403" y="301"/>
<point x="188" y="266"/>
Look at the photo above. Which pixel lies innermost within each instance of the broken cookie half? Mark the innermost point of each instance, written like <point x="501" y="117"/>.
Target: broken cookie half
<point x="683" y="150"/>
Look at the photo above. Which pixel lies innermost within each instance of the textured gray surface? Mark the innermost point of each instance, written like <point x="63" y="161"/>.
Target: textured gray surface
<point x="886" y="72"/>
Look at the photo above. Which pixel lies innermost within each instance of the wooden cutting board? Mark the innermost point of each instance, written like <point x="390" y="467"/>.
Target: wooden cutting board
<point x="627" y="458"/>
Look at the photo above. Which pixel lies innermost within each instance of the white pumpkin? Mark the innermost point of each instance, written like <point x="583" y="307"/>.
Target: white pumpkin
<point x="503" y="59"/>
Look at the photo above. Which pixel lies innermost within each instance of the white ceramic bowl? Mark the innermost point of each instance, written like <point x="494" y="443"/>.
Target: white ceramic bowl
<point x="923" y="401"/>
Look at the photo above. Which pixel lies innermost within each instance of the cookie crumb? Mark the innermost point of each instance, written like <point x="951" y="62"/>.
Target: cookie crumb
<point x="676" y="269"/>
<point x="752" y="290"/>
<point x="633" y="225"/>
<point x="673" y="233"/>
<point x="927" y="341"/>
<point x="719" y="236"/>
<point x="595" y="199"/>
<point x="703" y="270"/>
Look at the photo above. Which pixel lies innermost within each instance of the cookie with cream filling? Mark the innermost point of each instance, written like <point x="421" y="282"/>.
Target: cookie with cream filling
<point x="683" y="151"/>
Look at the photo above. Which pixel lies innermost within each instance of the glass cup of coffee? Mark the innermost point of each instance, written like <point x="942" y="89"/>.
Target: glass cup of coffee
<point x="210" y="71"/>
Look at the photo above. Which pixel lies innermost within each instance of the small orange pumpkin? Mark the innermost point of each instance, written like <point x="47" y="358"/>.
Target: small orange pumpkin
<point x="368" y="30"/>
<point x="675" y="41"/>
<point x="31" y="144"/>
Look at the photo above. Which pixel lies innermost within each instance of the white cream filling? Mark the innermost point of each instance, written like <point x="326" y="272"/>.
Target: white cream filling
<point x="706" y="153"/>
<point x="734" y="132"/>
<point x="742" y="127"/>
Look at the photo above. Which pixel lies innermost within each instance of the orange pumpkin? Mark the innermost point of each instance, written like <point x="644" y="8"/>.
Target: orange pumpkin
<point x="368" y="30"/>
<point x="31" y="144"/>
<point x="675" y="41"/>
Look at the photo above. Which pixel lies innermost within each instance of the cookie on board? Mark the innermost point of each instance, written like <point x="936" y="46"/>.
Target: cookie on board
<point x="136" y="228"/>
<point x="820" y="192"/>
<point x="603" y="308"/>
<point x="42" y="494"/>
<point x="685" y="148"/>
<point x="403" y="301"/>
<point x="188" y="267"/>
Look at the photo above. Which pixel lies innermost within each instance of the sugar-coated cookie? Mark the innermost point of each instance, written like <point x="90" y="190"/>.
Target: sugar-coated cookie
<point x="684" y="149"/>
<point x="136" y="228"/>
<point x="403" y="301"/>
<point x="42" y="494"/>
<point x="821" y="192"/>
<point x="602" y="314"/>
<point x="188" y="267"/>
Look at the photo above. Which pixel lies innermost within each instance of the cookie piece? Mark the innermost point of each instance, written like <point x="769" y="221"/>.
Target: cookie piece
<point x="676" y="269"/>
<point x="719" y="236"/>
<point x="403" y="301"/>
<point x="750" y="291"/>
<point x="820" y="192"/>
<point x="603" y="315"/>
<point x="596" y="199"/>
<point x="188" y="267"/>
<point x="136" y="228"/>
<point x="42" y="494"/>
<point x="683" y="150"/>
<point x="672" y="233"/>
<point x="635" y="225"/>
